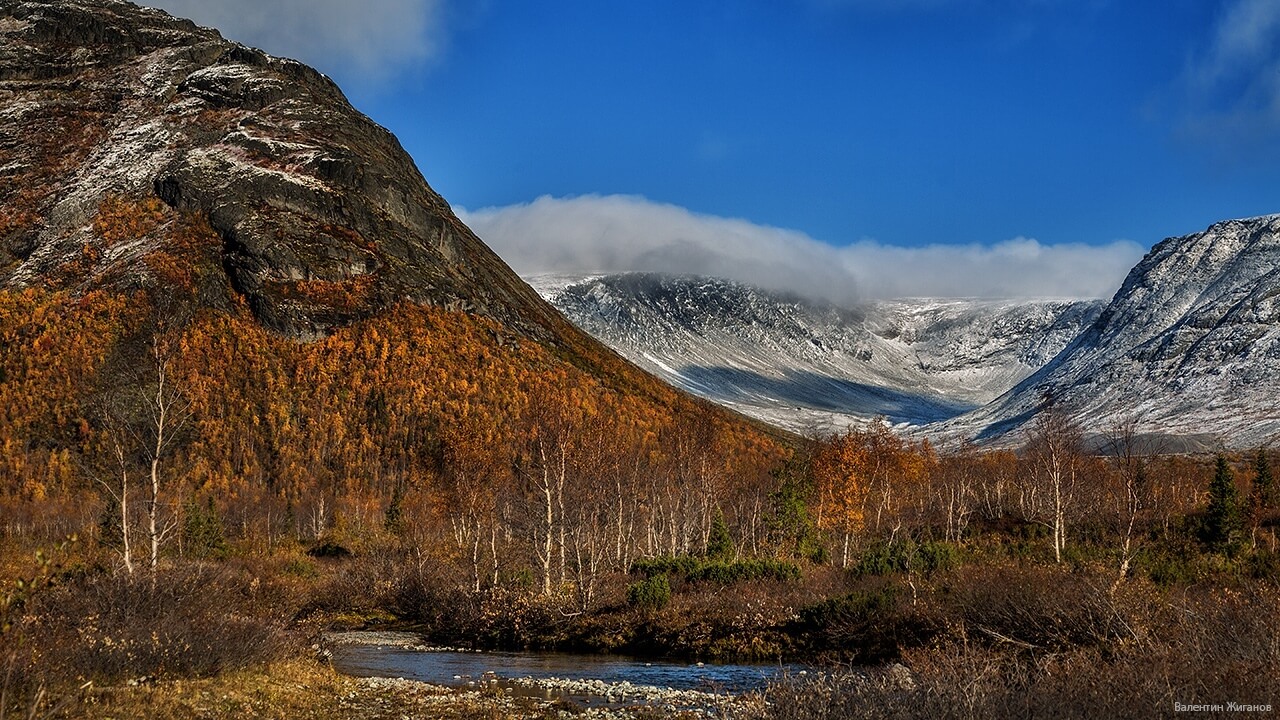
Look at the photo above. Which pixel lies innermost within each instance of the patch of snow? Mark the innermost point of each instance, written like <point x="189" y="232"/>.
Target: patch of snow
<point x="233" y="159"/>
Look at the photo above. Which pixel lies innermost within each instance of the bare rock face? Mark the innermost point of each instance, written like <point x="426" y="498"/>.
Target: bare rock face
<point x="1189" y="347"/>
<point x="323" y="217"/>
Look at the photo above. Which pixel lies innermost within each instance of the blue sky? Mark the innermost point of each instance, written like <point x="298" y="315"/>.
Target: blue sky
<point x="1068" y="133"/>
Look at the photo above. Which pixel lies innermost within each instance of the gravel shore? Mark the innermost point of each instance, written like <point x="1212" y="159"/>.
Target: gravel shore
<point x="627" y="701"/>
<point x="386" y="638"/>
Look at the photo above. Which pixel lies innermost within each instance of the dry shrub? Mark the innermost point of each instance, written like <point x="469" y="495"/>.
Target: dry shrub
<point x="424" y="590"/>
<point x="186" y="621"/>
<point x="357" y="584"/>
<point x="503" y="617"/>
<point x="886" y="692"/>
<point x="875" y="621"/>
<point x="1206" y="647"/>
<point x="21" y="691"/>
<point x="1213" y="646"/>
<point x="1042" y="607"/>
<point x="968" y="681"/>
<point x="743" y="622"/>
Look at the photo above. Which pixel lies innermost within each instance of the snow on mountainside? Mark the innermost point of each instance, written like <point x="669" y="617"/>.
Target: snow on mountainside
<point x="1189" y="346"/>
<point x="805" y="365"/>
<point x="323" y="219"/>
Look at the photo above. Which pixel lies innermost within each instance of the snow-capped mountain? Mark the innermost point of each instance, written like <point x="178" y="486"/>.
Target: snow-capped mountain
<point x="1189" y="346"/>
<point x="806" y="365"/>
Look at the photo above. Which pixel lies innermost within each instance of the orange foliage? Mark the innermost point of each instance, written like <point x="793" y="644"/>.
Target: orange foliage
<point x="17" y="217"/>
<point x="420" y="407"/>
<point x="51" y="346"/>
<point x="121" y="218"/>
<point x="866" y="479"/>
<point x="344" y="295"/>
<point x="841" y="473"/>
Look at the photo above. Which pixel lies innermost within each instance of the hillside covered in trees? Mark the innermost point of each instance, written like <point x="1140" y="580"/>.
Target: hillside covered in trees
<point x="221" y="278"/>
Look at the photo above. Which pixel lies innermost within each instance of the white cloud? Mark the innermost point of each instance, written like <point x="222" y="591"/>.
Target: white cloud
<point x="1233" y="86"/>
<point x="369" y="39"/>
<point x="1245" y="37"/>
<point x="620" y="233"/>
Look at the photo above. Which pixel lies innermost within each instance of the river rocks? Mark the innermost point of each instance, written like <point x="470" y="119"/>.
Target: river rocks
<point x="383" y="638"/>
<point x="627" y="694"/>
<point x="625" y="701"/>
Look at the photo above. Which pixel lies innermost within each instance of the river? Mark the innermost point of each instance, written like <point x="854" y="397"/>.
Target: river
<point x="592" y="679"/>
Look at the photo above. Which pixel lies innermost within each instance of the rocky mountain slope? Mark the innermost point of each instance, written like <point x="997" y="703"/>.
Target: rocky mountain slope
<point x="323" y="218"/>
<point x="182" y="214"/>
<point x="1189" y="346"/>
<point x="806" y="365"/>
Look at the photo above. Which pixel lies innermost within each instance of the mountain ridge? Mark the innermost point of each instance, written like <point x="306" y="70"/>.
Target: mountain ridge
<point x="806" y="364"/>
<point x="1187" y="351"/>
<point x="1188" y="346"/>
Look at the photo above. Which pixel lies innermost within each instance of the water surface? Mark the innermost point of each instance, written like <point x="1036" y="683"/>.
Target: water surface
<point x="461" y="669"/>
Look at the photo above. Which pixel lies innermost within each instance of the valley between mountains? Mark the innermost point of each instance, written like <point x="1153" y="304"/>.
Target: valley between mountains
<point x="813" y="367"/>
<point x="1188" y="349"/>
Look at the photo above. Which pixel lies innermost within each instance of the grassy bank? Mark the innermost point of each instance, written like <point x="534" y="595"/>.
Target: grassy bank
<point x="299" y="688"/>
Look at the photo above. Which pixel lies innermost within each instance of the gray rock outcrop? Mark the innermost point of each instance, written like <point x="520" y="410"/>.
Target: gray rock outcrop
<point x="101" y="98"/>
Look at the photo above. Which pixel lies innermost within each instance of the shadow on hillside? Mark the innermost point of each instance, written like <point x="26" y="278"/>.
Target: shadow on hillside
<point x="819" y="392"/>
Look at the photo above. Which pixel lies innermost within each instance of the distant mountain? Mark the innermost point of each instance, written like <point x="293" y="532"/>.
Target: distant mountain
<point x="1189" y="346"/>
<point x="806" y="365"/>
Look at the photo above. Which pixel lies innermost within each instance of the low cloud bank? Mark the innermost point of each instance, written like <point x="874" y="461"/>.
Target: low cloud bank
<point x="622" y="233"/>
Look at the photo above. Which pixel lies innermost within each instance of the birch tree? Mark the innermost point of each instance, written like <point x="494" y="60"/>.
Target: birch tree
<point x="167" y="412"/>
<point x="144" y="418"/>
<point x="1130" y="469"/>
<point x="119" y="489"/>
<point x="1056" y="453"/>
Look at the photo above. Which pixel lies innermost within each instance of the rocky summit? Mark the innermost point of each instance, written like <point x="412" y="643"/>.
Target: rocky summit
<point x="323" y="219"/>
<point x="1189" y="347"/>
